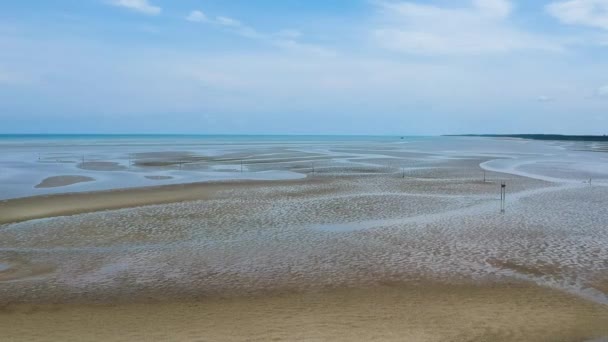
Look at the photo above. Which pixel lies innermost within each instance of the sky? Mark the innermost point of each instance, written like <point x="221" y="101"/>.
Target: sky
<point x="304" y="66"/>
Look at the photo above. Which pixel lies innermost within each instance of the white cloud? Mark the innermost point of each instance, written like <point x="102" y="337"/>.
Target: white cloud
<point x="142" y="6"/>
<point x="113" y="79"/>
<point x="302" y="48"/>
<point x="287" y="73"/>
<point x="497" y="8"/>
<point x="482" y="27"/>
<point x="229" y="24"/>
<point x="197" y="16"/>
<point x="592" y="13"/>
<point x="286" y="39"/>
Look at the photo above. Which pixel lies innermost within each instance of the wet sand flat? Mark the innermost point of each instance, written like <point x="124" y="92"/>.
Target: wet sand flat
<point x="427" y="312"/>
<point x="18" y="270"/>
<point x="358" y="250"/>
<point x="58" y="181"/>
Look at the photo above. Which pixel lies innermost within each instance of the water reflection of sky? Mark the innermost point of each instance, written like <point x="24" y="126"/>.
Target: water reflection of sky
<point x="27" y="161"/>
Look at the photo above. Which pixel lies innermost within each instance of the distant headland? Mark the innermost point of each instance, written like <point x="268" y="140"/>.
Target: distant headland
<point x="538" y="136"/>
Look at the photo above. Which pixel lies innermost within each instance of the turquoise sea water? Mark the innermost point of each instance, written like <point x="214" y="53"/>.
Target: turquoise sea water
<point x="224" y="137"/>
<point x="170" y="139"/>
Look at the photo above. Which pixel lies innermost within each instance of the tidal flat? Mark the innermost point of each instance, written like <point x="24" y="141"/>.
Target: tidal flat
<point x="316" y="240"/>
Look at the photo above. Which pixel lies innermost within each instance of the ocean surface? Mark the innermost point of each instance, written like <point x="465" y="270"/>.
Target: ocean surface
<point x="121" y="161"/>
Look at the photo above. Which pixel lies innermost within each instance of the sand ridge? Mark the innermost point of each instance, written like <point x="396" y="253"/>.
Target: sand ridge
<point x="29" y="208"/>
<point x="59" y="181"/>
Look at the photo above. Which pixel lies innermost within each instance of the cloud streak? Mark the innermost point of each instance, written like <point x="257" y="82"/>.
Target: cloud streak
<point x="286" y="39"/>
<point x="482" y="27"/>
<point x="591" y="13"/>
<point x="197" y="16"/>
<point x="141" y="6"/>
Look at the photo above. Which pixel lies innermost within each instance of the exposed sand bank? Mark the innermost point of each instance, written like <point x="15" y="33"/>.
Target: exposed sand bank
<point x="22" y="209"/>
<point x="429" y="312"/>
<point x="158" y="177"/>
<point x="101" y="166"/>
<point x="456" y="180"/>
<point x="58" y="181"/>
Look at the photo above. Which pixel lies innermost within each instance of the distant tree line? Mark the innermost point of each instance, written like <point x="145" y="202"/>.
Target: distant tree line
<point x="539" y="136"/>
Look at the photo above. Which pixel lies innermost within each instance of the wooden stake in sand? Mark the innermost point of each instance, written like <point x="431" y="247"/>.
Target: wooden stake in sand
<point x="503" y="196"/>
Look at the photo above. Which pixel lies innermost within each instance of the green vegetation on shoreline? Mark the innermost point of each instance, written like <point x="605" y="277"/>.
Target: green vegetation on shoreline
<point x="539" y="136"/>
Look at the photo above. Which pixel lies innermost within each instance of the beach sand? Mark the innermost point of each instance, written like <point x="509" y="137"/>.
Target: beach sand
<point x="428" y="312"/>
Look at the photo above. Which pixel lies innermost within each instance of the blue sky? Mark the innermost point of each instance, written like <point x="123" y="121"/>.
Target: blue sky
<point x="304" y="67"/>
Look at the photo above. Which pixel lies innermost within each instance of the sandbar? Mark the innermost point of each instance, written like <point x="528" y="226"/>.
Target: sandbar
<point x="28" y="208"/>
<point x="59" y="181"/>
<point x="101" y="166"/>
<point x="159" y="177"/>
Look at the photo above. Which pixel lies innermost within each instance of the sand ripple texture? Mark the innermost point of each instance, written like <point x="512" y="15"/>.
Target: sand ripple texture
<point x="347" y="231"/>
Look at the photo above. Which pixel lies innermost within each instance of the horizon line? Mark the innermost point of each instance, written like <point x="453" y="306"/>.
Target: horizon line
<point x="226" y="134"/>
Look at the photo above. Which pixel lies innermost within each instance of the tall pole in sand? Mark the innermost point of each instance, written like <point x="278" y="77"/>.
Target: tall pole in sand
<point x="503" y="196"/>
